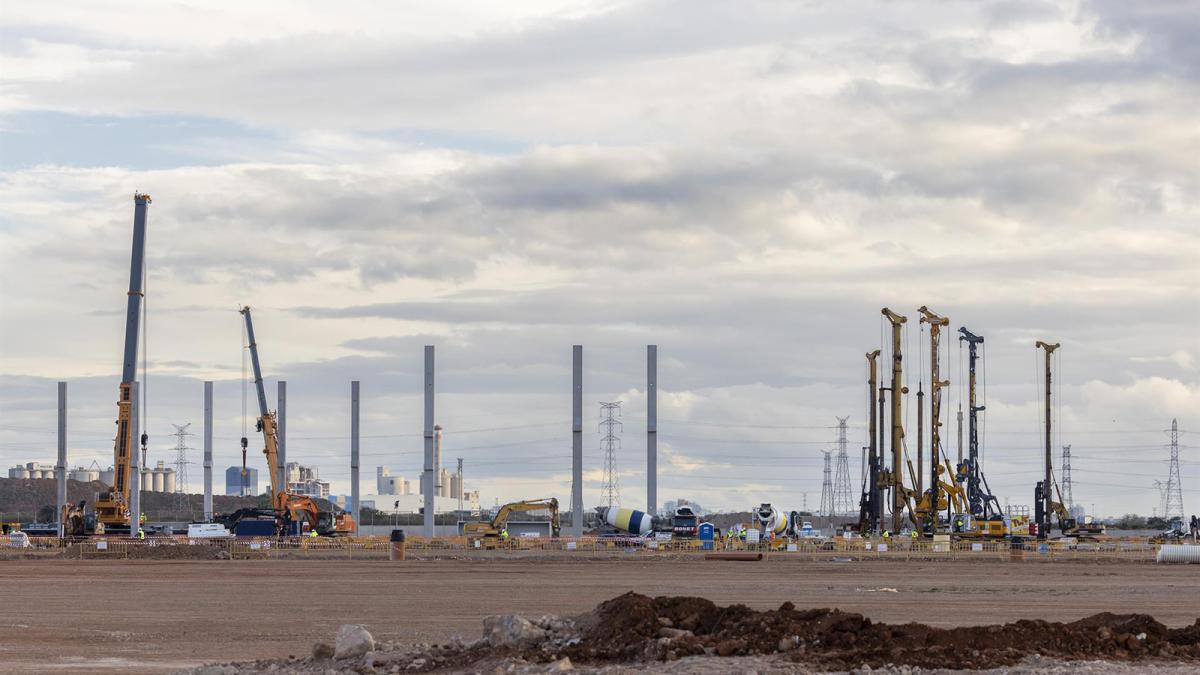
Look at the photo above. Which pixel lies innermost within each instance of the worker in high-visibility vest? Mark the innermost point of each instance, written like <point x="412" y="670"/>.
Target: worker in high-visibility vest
<point x="887" y="535"/>
<point x="141" y="534"/>
<point x="914" y="535"/>
<point x="312" y="533"/>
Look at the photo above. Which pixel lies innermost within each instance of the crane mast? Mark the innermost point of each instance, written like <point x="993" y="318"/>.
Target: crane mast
<point x="896" y="475"/>
<point x="112" y="506"/>
<point x="870" y="503"/>
<point x="266" y="420"/>
<point x="983" y="504"/>
<point x="1045" y="501"/>
<point x="936" y="384"/>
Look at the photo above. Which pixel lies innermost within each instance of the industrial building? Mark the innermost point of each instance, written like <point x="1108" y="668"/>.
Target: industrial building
<point x="32" y="470"/>
<point x="410" y="503"/>
<point x="238" y="485"/>
<point x="159" y="479"/>
<point x="305" y="480"/>
<point x="387" y="484"/>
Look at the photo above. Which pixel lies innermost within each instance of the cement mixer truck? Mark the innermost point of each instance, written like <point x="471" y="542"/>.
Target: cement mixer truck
<point x="626" y="521"/>
<point x="772" y="523"/>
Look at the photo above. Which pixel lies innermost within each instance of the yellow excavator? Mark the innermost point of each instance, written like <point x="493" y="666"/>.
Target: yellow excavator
<point x="492" y="534"/>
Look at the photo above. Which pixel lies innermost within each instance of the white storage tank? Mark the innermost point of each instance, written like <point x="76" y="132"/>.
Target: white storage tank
<point x="18" y="472"/>
<point x="84" y="475"/>
<point x="147" y="480"/>
<point x="106" y="476"/>
<point x="169" y="480"/>
<point x="158" y="478"/>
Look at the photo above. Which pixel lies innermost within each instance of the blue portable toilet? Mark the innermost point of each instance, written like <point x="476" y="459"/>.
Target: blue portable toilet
<point x="706" y="536"/>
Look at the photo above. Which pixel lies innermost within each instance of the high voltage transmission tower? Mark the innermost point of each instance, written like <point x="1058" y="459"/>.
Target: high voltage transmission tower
<point x="827" y="488"/>
<point x="1173" y="505"/>
<point x="610" y="442"/>
<point x="843" y="497"/>
<point x="181" y="462"/>
<point x="1067" y="494"/>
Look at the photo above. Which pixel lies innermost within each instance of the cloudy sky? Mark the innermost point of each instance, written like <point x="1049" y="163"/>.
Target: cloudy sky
<point x="744" y="184"/>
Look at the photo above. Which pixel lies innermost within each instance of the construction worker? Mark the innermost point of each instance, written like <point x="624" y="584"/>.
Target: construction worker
<point x="141" y="534"/>
<point x="886" y="535"/>
<point x="312" y="533"/>
<point x="914" y="535"/>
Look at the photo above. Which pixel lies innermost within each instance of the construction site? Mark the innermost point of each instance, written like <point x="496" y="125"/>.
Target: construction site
<point x="599" y="337"/>
<point x="927" y="523"/>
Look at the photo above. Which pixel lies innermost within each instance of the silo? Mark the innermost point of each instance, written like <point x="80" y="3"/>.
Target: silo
<point x="147" y="480"/>
<point x="455" y="486"/>
<point x="18" y="472"/>
<point x="158" y="478"/>
<point x="78" y="474"/>
<point x="169" y="480"/>
<point x="106" y="476"/>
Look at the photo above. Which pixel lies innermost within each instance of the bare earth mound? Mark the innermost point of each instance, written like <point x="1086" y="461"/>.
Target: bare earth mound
<point x="642" y="632"/>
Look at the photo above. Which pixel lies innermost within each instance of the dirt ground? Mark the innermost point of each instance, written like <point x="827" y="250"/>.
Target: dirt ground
<point x="151" y="616"/>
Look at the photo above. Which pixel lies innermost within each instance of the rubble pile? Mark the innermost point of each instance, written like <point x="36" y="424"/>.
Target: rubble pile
<point x="693" y="635"/>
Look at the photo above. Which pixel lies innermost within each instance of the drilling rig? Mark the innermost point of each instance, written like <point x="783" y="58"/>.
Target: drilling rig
<point x="984" y="506"/>
<point x="894" y="477"/>
<point x="870" y="504"/>
<point x="112" y="506"/>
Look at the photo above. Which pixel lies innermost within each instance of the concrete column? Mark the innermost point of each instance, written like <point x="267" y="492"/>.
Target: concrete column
<point x="354" y="453"/>
<point x="651" y="429"/>
<point x="577" y="441"/>
<point x="281" y="434"/>
<point x="135" y="471"/>
<point x="208" y="457"/>
<point x="60" y="469"/>
<point x="427" y="478"/>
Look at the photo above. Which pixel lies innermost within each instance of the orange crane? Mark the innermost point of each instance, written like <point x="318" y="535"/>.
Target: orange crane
<point x="292" y="511"/>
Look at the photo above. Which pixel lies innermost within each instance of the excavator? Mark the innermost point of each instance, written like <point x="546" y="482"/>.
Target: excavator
<point x="490" y="534"/>
<point x="112" y="506"/>
<point x="292" y="513"/>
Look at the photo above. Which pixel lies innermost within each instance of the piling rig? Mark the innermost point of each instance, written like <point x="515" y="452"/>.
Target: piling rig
<point x="112" y="505"/>
<point x="936" y="384"/>
<point x="894" y="477"/>
<point x="1044" y="506"/>
<point x="984" y="506"/>
<point x="870" y="504"/>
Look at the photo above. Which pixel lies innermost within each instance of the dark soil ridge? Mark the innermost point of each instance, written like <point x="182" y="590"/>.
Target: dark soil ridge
<point x="631" y="628"/>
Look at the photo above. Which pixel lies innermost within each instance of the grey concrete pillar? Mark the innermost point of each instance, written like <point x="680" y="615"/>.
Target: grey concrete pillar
<point x="135" y="469"/>
<point x="354" y="511"/>
<point x="281" y="434"/>
<point x="651" y="429"/>
<point x="427" y="478"/>
<point x="60" y="469"/>
<point x="208" y="447"/>
<point x="577" y="441"/>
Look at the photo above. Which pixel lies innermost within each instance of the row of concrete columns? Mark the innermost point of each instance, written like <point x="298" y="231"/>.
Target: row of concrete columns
<point x="430" y="468"/>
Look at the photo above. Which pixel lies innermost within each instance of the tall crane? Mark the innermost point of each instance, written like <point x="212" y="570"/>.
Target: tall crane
<point x="112" y="506"/>
<point x="896" y="475"/>
<point x="870" y="504"/>
<point x="984" y="505"/>
<point x="936" y="384"/>
<point x="1044" y="502"/>
<point x="292" y="511"/>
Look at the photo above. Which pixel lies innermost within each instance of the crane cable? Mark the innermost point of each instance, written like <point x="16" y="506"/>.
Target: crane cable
<point x="143" y="397"/>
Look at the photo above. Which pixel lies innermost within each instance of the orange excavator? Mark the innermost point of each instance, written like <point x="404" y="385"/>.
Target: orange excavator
<point x="293" y="513"/>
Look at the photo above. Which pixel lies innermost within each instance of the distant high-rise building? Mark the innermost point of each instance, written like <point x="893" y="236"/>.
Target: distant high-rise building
<point x="238" y="485"/>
